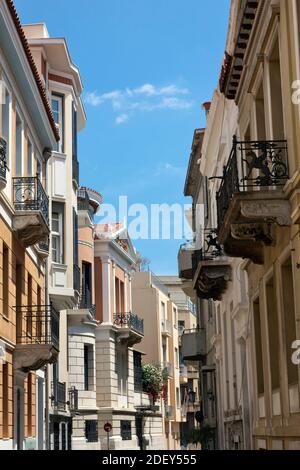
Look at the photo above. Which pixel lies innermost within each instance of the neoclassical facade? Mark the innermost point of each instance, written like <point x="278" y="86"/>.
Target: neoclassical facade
<point x="248" y="262"/>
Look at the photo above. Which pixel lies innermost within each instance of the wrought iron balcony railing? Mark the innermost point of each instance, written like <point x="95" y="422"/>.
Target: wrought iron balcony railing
<point x="29" y="195"/>
<point x="3" y="166"/>
<point x="58" y="396"/>
<point x="129" y="320"/>
<point x="37" y="324"/>
<point x="211" y="247"/>
<point x="252" y="165"/>
<point x="76" y="277"/>
<point x="83" y="202"/>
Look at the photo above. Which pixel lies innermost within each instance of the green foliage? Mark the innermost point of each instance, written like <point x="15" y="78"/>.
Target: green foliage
<point x="202" y="435"/>
<point x="153" y="380"/>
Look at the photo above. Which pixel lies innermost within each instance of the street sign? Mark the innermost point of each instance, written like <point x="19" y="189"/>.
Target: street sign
<point x="107" y="427"/>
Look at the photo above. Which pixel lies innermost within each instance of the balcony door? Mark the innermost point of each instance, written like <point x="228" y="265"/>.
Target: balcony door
<point x="86" y="284"/>
<point x="57" y="111"/>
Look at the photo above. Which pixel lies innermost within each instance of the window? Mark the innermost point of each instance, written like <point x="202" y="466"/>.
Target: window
<point x="276" y="93"/>
<point x="57" y="233"/>
<point x="57" y="111"/>
<point x="29" y="303"/>
<point x="175" y="317"/>
<point x="75" y="238"/>
<point x="181" y="327"/>
<point x="5" y="278"/>
<point x="5" y="130"/>
<point x="19" y="146"/>
<point x="176" y="358"/>
<point x="86" y="285"/>
<point x="163" y="313"/>
<point x="5" y="400"/>
<point x="177" y="397"/>
<point x="74" y="133"/>
<point x="137" y="363"/>
<point x="39" y="169"/>
<point x="91" y="430"/>
<point x="29" y="158"/>
<point x="126" y="430"/>
<point x="88" y="366"/>
<point x="258" y="348"/>
<point x="29" y="405"/>
<point x="273" y="332"/>
<point x="289" y="317"/>
<point x="122" y="370"/>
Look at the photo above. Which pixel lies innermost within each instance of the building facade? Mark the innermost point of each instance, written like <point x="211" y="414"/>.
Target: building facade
<point x="189" y="372"/>
<point x="245" y="263"/>
<point x="29" y="326"/>
<point x="62" y="83"/>
<point x="118" y="376"/>
<point x="160" y="315"/>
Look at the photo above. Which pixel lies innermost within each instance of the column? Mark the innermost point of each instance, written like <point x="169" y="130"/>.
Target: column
<point x="106" y="264"/>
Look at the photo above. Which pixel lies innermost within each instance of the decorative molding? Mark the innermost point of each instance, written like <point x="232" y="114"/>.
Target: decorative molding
<point x="277" y="210"/>
<point x="255" y="231"/>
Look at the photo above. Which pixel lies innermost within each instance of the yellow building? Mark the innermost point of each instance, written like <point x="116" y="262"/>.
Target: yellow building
<point x="150" y="298"/>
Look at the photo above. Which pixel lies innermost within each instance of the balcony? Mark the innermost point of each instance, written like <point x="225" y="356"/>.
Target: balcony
<point x="185" y="263"/>
<point x="84" y="206"/>
<point x="37" y="337"/>
<point x="3" y="166"/>
<point x="168" y="368"/>
<point x="88" y="203"/>
<point x="186" y="268"/>
<point x="212" y="269"/>
<point x="251" y="201"/>
<point x="193" y="344"/>
<point x="58" y="397"/>
<point x="130" y="328"/>
<point x="167" y="328"/>
<point x="31" y="218"/>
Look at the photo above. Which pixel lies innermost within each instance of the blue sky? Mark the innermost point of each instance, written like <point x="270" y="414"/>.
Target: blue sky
<point x="146" y="65"/>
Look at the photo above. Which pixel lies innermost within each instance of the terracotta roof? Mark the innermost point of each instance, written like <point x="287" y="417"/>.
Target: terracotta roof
<point x="33" y="67"/>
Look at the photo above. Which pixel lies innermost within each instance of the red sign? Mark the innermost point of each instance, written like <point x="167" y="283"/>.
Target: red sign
<point x="107" y="427"/>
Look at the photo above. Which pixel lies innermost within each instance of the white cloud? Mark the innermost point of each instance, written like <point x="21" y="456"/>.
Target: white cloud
<point x="146" y="97"/>
<point x="169" y="169"/>
<point x="93" y="99"/>
<point x="122" y="118"/>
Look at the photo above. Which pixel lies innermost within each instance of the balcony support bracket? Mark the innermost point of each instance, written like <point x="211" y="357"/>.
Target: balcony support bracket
<point x="34" y="356"/>
<point x="212" y="281"/>
<point x="31" y="228"/>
